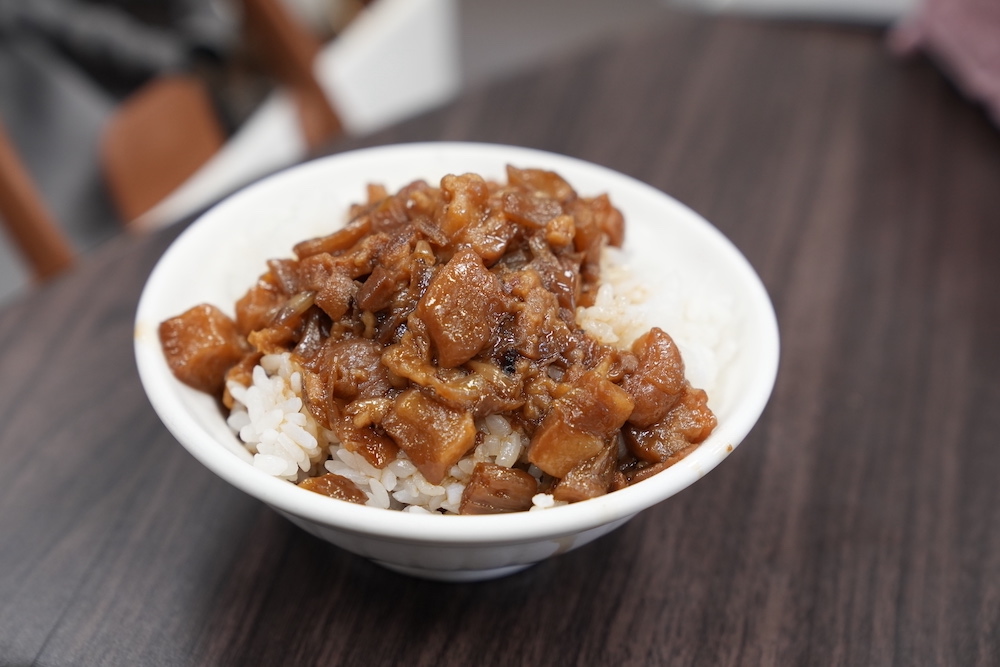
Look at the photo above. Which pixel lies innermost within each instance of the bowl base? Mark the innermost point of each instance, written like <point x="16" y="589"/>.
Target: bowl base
<point x="456" y="576"/>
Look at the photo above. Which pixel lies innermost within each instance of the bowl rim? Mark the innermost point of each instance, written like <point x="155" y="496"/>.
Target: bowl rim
<point x="454" y="529"/>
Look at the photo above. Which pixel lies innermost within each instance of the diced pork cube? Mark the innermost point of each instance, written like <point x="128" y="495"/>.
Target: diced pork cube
<point x="579" y="424"/>
<point x="589" y="479"/>
<point x="201" y="345"/>
<point x="689" y="422"/>
<point x="460" y="307"/>
<point x="494" y="489"/>
<point x="657" y="383"/>
<point x="433" y="435"/>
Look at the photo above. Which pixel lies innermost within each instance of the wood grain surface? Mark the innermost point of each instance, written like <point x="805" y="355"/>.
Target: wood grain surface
<point x="858" y="524"/>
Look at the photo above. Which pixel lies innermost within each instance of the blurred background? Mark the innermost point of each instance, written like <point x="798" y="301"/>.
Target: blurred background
<point x="237" y="89"/>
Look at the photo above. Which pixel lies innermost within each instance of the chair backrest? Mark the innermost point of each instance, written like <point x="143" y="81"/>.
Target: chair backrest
<point x="161" y="136"/>
<point x="156" y="139"/>
<point x="168" y="130"/>
<point x="26" y="217"/>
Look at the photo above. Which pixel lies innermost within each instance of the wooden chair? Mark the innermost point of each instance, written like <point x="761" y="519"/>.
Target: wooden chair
<point x="168" y="129"/>
<point x="161" y="136"/>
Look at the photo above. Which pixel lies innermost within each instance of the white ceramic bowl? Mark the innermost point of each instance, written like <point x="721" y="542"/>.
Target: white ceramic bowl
<point x="702" y="291"/>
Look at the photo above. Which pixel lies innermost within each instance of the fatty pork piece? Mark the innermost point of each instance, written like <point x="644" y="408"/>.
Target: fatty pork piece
<point x="688" y="423"/>
<point x="201" y="345"/>
<point x="591" y="478"/>
<point x="579" y="424"/>
<point x="658" y="381"/>
<point x="494" y="489"/>
<point x="472" y="217"/>
<point x="335" y="486"/>
<point x="460" y="308"/>
<point x="432" y="434"/>
<point x="670" y="418"/>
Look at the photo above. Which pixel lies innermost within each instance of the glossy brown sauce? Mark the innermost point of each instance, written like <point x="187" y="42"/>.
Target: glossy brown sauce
<point x="435" y="307"/>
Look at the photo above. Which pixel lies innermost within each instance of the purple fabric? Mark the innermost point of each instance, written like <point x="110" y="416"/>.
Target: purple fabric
<point x="963" y="38"/>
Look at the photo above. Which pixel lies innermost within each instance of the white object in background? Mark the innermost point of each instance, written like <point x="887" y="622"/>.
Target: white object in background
<point x="876" y="11"/>
<point x="396" y="59"/>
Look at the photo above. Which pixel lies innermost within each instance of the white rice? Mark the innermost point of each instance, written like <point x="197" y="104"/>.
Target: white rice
<point x="616" y="318"/>
<point x="275" y="426"/>
<point x="273" y="422"/>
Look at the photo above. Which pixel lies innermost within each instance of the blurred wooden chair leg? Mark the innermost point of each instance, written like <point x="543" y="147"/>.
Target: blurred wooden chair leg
<point x="25" y="215"/>
<point x="289" y="50"/>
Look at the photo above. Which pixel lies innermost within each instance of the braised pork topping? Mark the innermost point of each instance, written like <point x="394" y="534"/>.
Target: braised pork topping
<point x="440" y="306"/>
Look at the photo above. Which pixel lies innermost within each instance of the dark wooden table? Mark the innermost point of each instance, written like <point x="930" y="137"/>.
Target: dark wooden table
<point x="858" y="524"/>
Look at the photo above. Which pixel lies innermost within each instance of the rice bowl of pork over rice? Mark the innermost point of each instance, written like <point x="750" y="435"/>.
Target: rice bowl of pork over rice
<point x="672" y="272"/>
